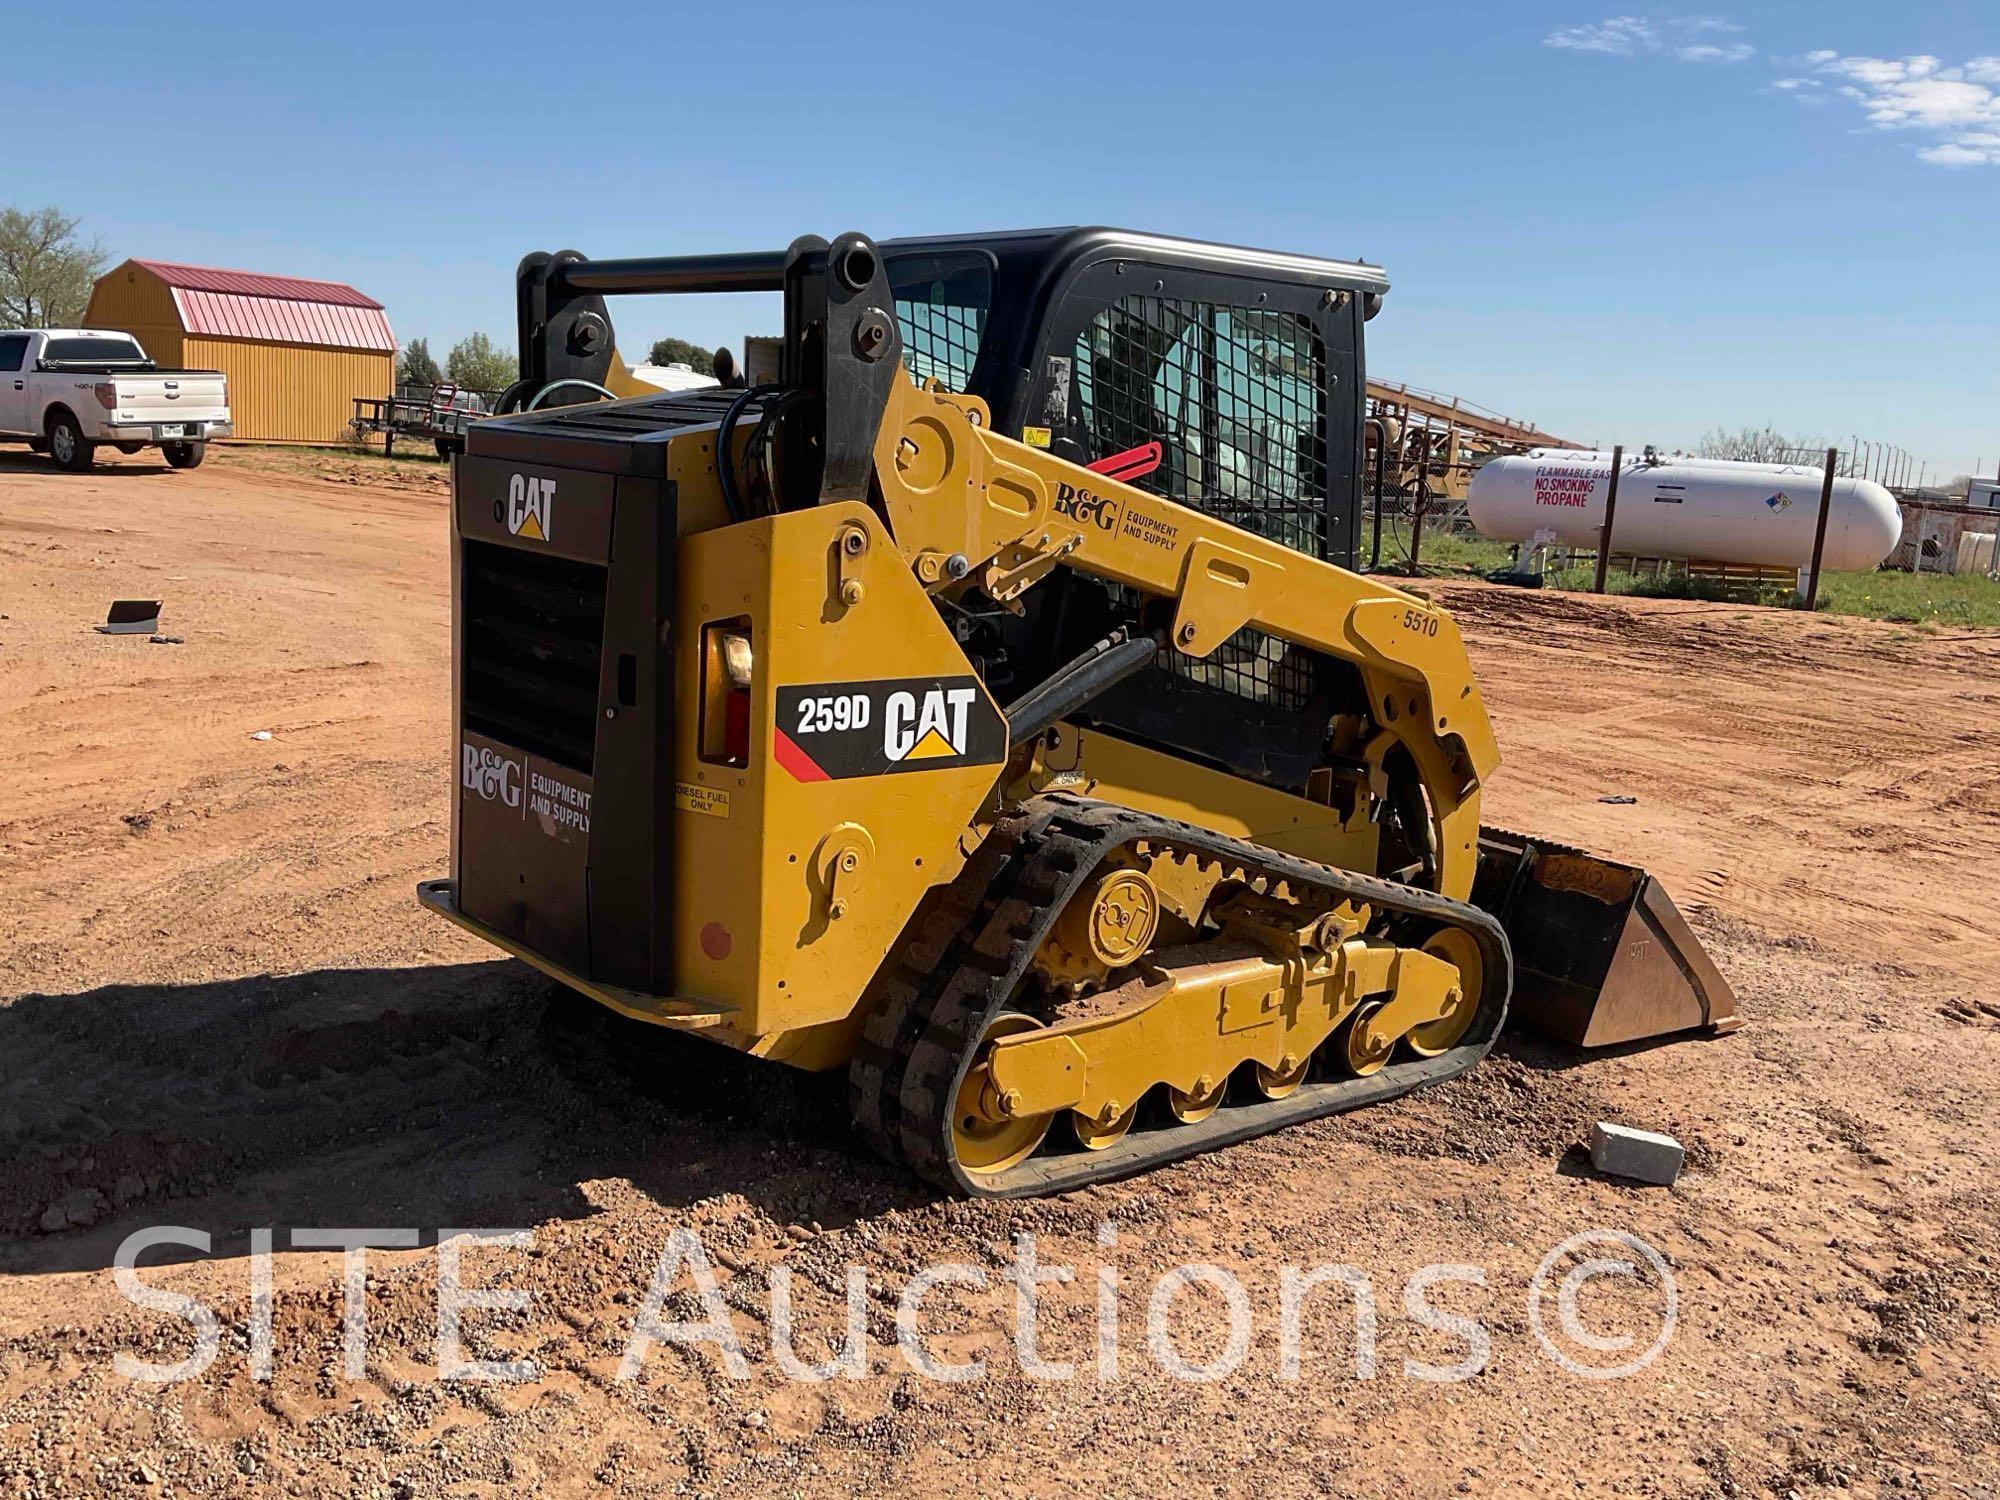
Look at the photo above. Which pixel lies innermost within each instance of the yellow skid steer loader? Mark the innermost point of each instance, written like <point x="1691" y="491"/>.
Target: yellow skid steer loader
<point x="980" y="701"/>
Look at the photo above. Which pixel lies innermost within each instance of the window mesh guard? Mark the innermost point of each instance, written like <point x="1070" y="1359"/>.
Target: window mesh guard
<point x="1235" y="398"/>
<point x="940" y="341"/>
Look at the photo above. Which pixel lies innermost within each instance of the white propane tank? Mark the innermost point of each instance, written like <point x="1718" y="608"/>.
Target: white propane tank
<point x="1710" y="509"/>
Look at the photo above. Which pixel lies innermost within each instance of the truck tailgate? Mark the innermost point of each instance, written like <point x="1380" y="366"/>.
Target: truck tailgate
<point x="172" y="396"/>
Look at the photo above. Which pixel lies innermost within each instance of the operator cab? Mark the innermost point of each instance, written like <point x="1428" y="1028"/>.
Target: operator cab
<point x="1245" y="367"/>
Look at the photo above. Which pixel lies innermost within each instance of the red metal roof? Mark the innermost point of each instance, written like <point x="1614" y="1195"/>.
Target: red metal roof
<point x="279" y="309"/>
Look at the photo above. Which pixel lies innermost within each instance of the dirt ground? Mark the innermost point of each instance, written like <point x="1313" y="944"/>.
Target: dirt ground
<point x="224" y="1011"/>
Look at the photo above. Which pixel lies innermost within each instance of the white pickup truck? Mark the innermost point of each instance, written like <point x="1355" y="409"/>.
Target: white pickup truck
<point x="63" y="391"/>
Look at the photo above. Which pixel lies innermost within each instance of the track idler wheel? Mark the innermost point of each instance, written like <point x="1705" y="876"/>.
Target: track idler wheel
<point x="1459" y="948"/>
<point x="986" y="1136"/>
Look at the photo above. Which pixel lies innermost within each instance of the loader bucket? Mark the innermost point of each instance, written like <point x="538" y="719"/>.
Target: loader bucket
<point x="1601" y="953"/>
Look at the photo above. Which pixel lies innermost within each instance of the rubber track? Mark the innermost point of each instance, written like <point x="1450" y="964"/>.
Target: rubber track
<point x="897" y="1018"/>
<point x="972" y="951"/>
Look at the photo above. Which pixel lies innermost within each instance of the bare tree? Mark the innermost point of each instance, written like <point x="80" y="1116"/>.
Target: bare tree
<point x="46" y="273"/>
<point x="1756" y="444"/>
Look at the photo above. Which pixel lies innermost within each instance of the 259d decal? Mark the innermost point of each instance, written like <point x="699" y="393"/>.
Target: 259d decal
<point x="830" y="731"/>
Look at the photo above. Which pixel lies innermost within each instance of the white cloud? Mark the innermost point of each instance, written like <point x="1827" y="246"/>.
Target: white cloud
<point x="1679" y="36"/>
<point x="1732" y="52"/>
<point x="1957" y="107"/>
<point x="1954" y="108"/>
<point x="1805" y="90"/>
<point x="1620" y="36"/>
<point x="1954" y="155"/>
<point x="1978" y="148"/>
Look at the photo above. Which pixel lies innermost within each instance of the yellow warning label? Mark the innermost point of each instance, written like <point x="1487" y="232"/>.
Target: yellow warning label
<point x="709" y="801"/>
<point x="1035" y="437"/>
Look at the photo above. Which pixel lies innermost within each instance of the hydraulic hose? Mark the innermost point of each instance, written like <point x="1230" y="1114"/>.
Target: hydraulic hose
<point x="725" y="449"/>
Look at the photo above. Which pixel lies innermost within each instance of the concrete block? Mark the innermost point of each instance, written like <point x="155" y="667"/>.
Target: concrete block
<point x="1620" y="1151"/>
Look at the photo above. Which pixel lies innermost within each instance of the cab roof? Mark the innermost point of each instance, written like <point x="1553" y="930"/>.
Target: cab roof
<point x="1066" y="244"/>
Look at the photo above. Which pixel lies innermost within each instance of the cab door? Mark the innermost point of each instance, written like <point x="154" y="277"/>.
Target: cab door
<point x="13" y="382"/>
<point x="1251" y="387"/>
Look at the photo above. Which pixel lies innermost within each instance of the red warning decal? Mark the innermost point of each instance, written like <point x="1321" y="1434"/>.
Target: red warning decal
<point x="787" y="753"/>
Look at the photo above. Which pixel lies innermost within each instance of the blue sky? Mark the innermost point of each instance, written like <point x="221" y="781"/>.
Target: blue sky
<point x="1625" y="226"/>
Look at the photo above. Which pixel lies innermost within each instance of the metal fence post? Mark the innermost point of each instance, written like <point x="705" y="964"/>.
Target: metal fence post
<point x="1381" y="474"/>
<point x="1819" y="531"/>
<point x="1423" y="494"/>
<point x="1610" y="514"/>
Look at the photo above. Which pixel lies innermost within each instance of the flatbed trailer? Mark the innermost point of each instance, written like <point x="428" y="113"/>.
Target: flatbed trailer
<point x="440" y="414"/>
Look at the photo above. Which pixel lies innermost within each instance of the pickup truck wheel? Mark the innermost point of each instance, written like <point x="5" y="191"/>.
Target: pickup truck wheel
<point x="68" y="446"/>
<point x="184" y="455"/>
<point x="129" y="447"/>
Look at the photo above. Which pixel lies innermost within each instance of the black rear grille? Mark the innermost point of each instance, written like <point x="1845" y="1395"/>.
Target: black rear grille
<point x="533" y="633"/>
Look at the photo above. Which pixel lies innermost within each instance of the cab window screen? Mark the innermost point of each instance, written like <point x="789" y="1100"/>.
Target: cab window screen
<point x="12" y="348"/>
<point x="942" y="302"/>
<point x="1235" y="397"/>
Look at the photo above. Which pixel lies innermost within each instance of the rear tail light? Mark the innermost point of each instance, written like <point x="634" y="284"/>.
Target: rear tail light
<point x="107" y="395"/>
<point x="736" y="730"/>
<point x="727" y="666"/>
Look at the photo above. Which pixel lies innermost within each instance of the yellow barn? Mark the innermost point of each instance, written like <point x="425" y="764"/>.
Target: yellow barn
<point x="296" y="352"/>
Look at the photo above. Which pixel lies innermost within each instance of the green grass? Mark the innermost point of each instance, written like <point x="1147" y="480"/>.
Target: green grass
<point x="1444" y="553"/>
<point x="1447" y="552"/>
<point x="1920" y="599"/>
<point x="1669" y="585"/>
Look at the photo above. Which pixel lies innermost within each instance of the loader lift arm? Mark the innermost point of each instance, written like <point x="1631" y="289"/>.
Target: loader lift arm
<point x="971" y="508"/>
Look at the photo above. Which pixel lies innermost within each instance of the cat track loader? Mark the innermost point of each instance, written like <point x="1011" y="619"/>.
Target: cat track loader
<point x="981" y="702"/>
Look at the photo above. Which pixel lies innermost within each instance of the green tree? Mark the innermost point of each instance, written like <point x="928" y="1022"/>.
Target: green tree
<point x="46" y="272"/>
<point x="671" y="351"/>
<point x="415" y="365"/>
<point x="477" y="366"/>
